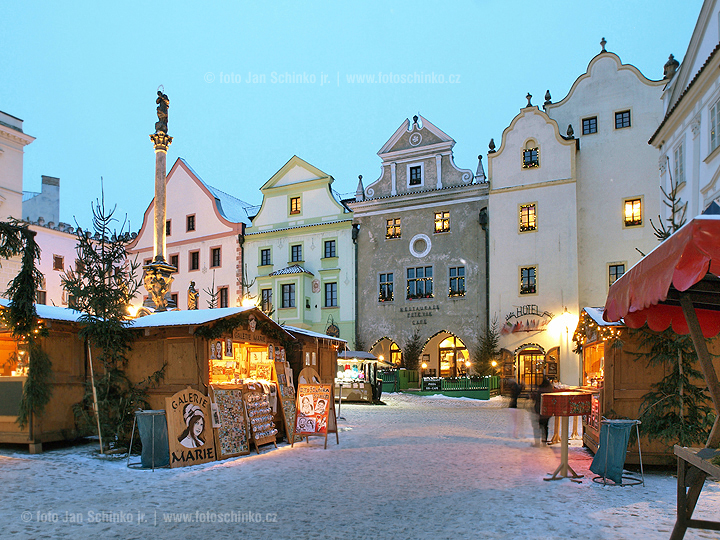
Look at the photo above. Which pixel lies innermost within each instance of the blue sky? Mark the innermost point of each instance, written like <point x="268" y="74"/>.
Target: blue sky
<point x="84" y="76"/>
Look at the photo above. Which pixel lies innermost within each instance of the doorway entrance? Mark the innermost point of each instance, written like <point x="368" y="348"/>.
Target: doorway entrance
<point x="453" y="357"/>
<point x="531" y="361"/>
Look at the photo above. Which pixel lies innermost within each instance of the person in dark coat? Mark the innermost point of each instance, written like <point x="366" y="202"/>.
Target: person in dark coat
<point x="515" y="391"/>
<point x="541" y="431"/>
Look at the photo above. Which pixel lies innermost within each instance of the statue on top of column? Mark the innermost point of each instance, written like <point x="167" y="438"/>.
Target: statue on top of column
<point x="162" y="111"/>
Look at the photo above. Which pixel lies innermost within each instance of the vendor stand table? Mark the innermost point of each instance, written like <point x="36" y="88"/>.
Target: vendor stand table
<point x="564" y="405"/>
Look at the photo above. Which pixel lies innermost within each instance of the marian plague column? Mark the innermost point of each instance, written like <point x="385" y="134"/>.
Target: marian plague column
<point x="158" y="274"/>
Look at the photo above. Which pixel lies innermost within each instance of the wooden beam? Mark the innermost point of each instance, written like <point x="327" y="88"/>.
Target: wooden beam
<point x="706" y="365"/>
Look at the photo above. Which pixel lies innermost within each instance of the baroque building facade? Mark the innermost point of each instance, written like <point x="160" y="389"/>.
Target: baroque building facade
<point x="421" y="252"/>
<point x="299" y="252"/>
<point x="573" y="189"/>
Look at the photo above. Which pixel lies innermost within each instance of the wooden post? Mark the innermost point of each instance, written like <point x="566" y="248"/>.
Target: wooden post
<point x="95" y="400"/>
<point x="705" y="363"/>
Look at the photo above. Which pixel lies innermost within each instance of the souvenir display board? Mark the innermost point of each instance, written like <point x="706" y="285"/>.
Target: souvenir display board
<point x="260" y="416"/>
<point x="287" y="401"/>
<point x="189" y="428"/>
<point x="315" y="411"/>
<point x="231" y="435"/>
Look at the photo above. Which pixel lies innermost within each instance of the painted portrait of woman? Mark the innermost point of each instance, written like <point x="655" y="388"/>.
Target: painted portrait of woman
<point x="192" y="435"/>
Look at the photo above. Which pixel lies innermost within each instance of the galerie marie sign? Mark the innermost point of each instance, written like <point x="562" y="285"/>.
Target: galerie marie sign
<point x="190" y="431"/>
<point x="527" y="318"/>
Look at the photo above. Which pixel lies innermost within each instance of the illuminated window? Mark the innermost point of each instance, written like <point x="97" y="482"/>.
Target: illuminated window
<point x="294" y="205"/>
<point x="615" y="271"/>
<point x="528" y="280"/>
<point x="420" y="282"/>
<point x="633" y="212"/>
<point x="393" y="228"/>
<point x="457" y="281"/>
<point x="442" y="222"/>
<point x="386" y="288"/>
<point x="528" y="217"/>
<point x="531" y="158"/>
<point x="589" y="125"/>
<point x="622" y="119"/>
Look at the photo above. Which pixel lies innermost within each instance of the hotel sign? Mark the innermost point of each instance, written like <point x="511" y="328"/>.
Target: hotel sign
<point x="527" y="318"/>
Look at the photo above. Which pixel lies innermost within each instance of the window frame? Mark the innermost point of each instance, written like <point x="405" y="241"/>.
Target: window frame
<point x="266" y="299"/>
<point x="291" y="297"/>
<point x="629" y="118"/>
<point x="57" y="258"/>
<point x="459" y="279"/>
<point x="168" y="227"/>
<point x="714" y="126"/>
<point x="190" y="223"/>
<point x="591" y="121"/>
<point x="631" y="225"/>
<point x="213" y="251"/>
<point x="263" y="261"/>
<point x="293" y="209"/>
<point x="195" y="254"/>
<point x="396" y="227"/>
<point x="534" y="285"/>
<point x="223" y="296"/>
<point x="612" y="265"/>
<point x="531" y="164"/>
<point x="443" y="218"/>
<point x="423" y="280"/>
<point x="293" y="258"/>
<point x="333" y="250"/>
<point x="332" y="301"/>
<point x="534" y="225"/>
<point x="385" y="295"/>
<point x="410" y="166"/>
<point x="679" y="163"/>
<point x="170" y="260"/>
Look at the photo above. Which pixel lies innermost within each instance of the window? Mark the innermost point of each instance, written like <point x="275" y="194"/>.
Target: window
<point x="296" y="253"/>
<point x="174" y="299"/>
<point x="679" y="164"/>
<point x="442" y="222"/>
<point x="615" y="271"/>
<point x="531" y="158"/>
<point x="294" y="205"/>
<point x="331" y="295"/>
<point x="41" y="297"/>
<point x="194" y="260"/>
<point x="633" y="212"/>
<point x="265" y="257"/>
<point x="288" y="295"/>
<point x="266" y="300"/>
<point x="622" y="119"/>
<point x="714" y="125"/>
<point x="528" y="217"/>
<point x="216" y="257"/>
<point x="175" y="260"/>
<point x="457" y="281"/>
<point x="168" y="227"/>
<point x="393" y="228"/>
<point x="223" y="297"/>
<point x="420" y="282"/>
<point x="415" y="175"/>
<point x="528" y="280"/>
<point x="330" y="249"/>
<point x="58" y="262"/>
<point x="589" y="125"/>
<point x="190" y="223"/>
<point x="386" y="288"/>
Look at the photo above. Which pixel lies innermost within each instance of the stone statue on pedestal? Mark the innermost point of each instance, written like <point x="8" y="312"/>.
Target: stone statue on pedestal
<point x="162" y="112"/>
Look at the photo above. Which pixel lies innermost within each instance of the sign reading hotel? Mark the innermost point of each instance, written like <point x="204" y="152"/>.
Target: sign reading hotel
<point x="190" y="433"/>
<point x="527" y="318"/>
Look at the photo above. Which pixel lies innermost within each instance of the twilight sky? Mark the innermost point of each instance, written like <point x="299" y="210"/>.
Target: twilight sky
<point x="83" y="76"/>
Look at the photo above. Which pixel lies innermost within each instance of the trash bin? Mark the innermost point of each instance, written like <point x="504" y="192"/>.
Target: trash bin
<point x="609" y="460"/>
<point x="152" y="426"/>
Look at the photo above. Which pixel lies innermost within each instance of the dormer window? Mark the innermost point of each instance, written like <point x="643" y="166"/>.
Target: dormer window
<point x="415" y="175"/>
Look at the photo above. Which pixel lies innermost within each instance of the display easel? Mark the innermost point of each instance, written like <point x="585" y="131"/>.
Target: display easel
<point x="315" y="412"/>
<point x="286" y="395"/>
<point x="259" y="414"/>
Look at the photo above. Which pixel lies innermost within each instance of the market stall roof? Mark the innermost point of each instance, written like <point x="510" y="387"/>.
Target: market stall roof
<point x="294" y="330"/>
<point x="360" y="355"/>
<point x="687" y="262"/>
<point x="596" y="314"/>
<point x="52" y="313"/>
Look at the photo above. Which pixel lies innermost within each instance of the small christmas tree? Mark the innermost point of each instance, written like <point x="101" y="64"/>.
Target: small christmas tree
<point x="488" y="349"/>
<point x="412" y="351"/>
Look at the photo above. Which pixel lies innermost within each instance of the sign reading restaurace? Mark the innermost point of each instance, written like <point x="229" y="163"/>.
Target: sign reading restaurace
<point x="527" y="318"/>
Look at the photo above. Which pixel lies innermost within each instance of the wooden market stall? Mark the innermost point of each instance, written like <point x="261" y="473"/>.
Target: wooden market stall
<point x="357" y="376"/>
<point x="316" y="351"/>
<point x="67" y="354"/>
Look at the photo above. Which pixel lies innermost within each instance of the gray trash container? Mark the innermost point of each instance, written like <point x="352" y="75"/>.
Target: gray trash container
<point x="152" y="426"/>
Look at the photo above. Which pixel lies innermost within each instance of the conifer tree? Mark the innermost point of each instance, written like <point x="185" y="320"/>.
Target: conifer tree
<point x="412" y="351"/>
<point x="488" y="349"/>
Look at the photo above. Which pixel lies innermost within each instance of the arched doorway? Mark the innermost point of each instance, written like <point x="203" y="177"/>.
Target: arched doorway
<point x="454" y="357"/>
<point x="387" y="350"/>
<point x="530" y="363"/>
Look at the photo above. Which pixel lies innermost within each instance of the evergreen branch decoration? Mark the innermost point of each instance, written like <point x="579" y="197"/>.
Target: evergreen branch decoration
<point x="226" y="326"/>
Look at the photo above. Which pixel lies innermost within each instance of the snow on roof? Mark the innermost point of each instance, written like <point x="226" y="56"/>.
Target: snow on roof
<point x="231" y="208"/>
<point x="52" y="313"/>
<point x="186" y="318"/>
<point x="294" y="330"/>
<point x="596" y="314"/>
<point x="360" y="355"/>
<point x="294" y="269"/>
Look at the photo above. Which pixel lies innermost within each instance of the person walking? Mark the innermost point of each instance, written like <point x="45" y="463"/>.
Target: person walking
<point x="541" y="421"/>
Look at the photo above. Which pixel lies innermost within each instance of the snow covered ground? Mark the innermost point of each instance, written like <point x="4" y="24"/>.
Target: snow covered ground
<point x="419" y="467"/>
